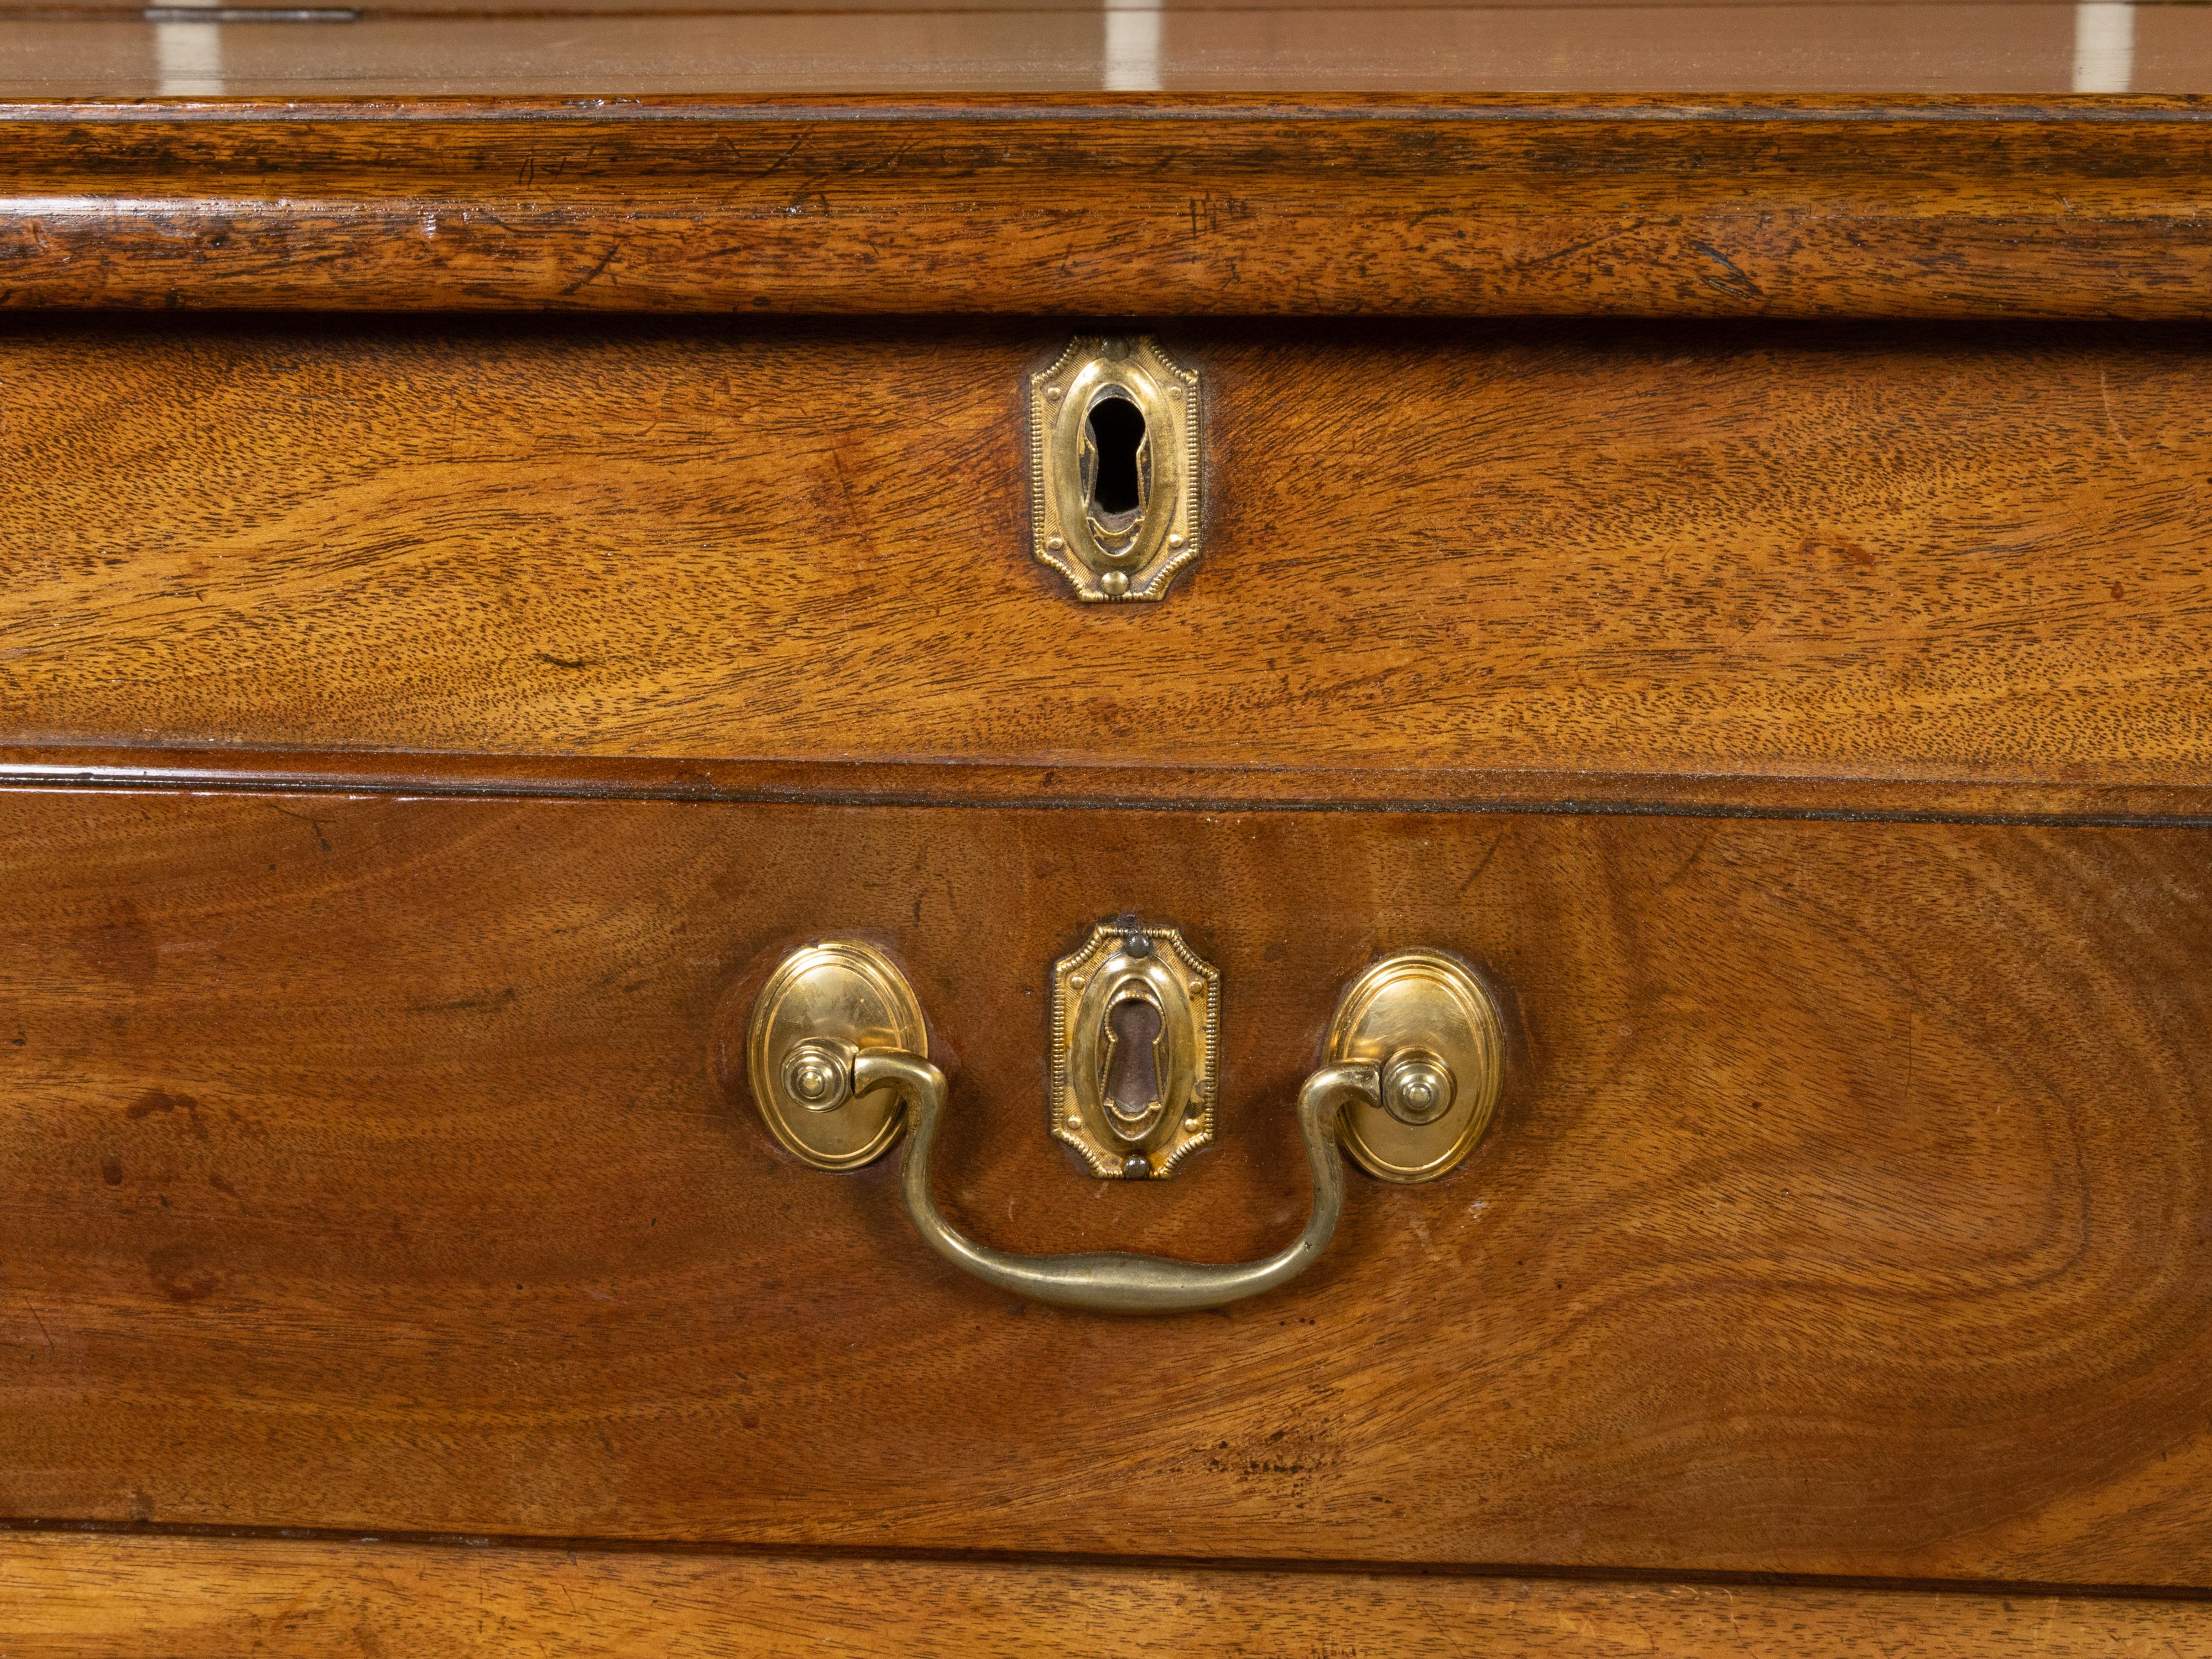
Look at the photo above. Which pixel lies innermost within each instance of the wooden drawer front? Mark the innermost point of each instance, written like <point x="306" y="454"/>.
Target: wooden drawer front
<point x="1964" y="552"/>
<point x="369" y="1168"/>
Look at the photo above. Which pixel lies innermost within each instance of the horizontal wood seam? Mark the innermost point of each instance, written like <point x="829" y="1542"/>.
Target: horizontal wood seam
<point x="1974" y="1587"/>
<point x="712" y="794"/>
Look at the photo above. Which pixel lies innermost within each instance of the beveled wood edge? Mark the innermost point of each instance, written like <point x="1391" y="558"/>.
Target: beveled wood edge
<point x="130" y="1592"/>
<point x="1903" y="798"/>
<point x="305" y="203"/>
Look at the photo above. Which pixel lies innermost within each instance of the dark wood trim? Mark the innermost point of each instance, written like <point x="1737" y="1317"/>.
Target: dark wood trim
<point x="1898" y="799"/>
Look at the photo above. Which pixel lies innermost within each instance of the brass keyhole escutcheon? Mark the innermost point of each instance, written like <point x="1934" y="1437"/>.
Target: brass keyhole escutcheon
<point x="1115" y="467"/>
<point x="1136" y="1015"/>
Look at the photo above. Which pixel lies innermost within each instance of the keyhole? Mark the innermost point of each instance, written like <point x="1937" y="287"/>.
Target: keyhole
<point x="1133" y="1076"/>
<point x="1117" y="435"/>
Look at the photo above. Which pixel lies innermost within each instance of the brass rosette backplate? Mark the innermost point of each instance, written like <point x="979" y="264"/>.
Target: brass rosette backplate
<point x="1438" y="1037"/>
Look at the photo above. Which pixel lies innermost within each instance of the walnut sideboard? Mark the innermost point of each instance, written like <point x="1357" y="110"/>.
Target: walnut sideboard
<point x="1067" y="830"/>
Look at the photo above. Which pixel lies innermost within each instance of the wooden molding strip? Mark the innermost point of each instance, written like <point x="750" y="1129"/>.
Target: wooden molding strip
<point x="181" y="1597"/>
<point x="1901" y="798"/>
<point x="1098" y="204"/>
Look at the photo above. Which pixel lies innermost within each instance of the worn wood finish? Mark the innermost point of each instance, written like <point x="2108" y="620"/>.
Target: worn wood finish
<point x="373" y="1167"/>
<point x="1679" y="202"/>
<point x="210" y="1598"/>
<point x="1943" y="555"/>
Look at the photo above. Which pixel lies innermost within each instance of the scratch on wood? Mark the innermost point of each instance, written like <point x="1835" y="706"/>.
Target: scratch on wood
<point x="1737" y="282"/>
<point x="605" y="260"/>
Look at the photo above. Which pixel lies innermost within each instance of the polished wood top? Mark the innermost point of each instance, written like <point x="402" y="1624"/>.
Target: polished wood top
<point x="602" y="48"/>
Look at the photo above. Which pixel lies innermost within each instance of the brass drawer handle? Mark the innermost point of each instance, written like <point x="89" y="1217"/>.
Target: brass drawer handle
<point x="837" y="1029"/>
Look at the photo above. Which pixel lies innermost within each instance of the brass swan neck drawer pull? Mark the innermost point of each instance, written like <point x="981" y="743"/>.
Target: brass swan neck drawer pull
<point x="837" y="1056"/>
<point x="1115" y="1282"/>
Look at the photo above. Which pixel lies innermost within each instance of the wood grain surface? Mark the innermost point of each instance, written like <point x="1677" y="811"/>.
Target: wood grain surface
<point x="376" y="1165"/>
<point x="205" y="1598"/>
<point x="1674" y="197"/>
<point x="1930" y="553"/>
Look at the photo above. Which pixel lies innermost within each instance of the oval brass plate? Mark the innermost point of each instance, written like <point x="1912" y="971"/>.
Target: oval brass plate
<point x="838" y="992"/>
<point x="1421" y="999"/>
